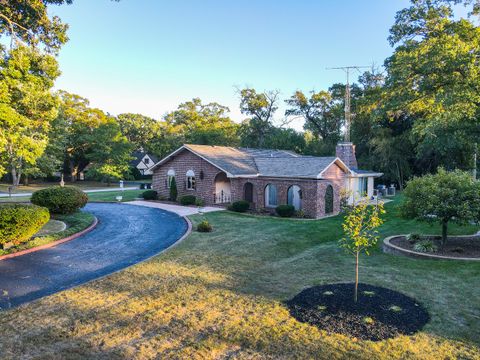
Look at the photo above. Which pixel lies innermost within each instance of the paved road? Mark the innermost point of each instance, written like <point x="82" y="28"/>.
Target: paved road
<point x="125" y="235"/>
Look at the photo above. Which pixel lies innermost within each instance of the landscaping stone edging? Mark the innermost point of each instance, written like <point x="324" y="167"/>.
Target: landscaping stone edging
<point x="389" y="248"/>
<point x="52" y="244"/>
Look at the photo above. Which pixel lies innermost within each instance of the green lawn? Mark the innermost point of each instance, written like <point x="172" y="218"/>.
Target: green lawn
<point x="109" y="196"/>
<point x="104" y="196"/>
<point x="75" y="223"/>
<point x="220" y="295"/>
<point x="84" y="185"/>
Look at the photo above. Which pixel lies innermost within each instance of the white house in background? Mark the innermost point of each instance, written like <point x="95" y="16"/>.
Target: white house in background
<point x="143" y="162"/>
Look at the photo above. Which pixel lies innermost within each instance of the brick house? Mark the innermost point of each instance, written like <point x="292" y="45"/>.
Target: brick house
<point x="266" y="178"/>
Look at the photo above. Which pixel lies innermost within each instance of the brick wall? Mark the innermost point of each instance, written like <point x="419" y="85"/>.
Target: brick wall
<point x="181" y="163"/>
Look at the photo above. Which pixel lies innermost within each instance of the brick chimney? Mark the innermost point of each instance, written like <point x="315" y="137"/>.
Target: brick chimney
<point x="346" y="152"/>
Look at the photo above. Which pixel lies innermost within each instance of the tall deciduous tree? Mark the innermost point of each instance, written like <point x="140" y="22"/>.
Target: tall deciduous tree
<point x="90" y="137"/>
<point x="260" y="107"/>
<point x="320" y="112"/>
<point x="433" y="76"/>
<point x="140" y="130"/>
<point x="26" y="78"/>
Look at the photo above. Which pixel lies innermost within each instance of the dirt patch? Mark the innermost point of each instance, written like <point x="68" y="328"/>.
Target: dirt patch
<point x="461" y="247"/>
<point x="379" y="314"/>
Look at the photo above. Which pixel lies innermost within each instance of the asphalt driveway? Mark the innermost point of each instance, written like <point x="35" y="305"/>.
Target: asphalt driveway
<point x="125" y="235"/>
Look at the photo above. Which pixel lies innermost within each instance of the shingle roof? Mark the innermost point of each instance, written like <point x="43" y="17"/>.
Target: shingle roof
<point x="262" y="162"/>
<point x="138" y="156"/>
<point x="301" y="166"/>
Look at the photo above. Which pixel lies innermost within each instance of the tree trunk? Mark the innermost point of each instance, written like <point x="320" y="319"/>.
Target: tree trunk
<point x="355" y="296"/>
<point x="444" y="233"/>
<point x="25" y="180"/>
<point x="15" y="177"/>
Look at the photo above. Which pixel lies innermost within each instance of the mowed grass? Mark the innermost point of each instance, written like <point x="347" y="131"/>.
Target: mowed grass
<point x="220" y="295"/>
<point x="104" y="196"/>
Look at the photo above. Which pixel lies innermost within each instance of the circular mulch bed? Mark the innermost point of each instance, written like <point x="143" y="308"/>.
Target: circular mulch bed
<point x="379" y="313"/>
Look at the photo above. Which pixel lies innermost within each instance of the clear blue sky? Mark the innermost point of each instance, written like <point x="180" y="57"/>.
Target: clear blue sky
<point x="147" y="56"/>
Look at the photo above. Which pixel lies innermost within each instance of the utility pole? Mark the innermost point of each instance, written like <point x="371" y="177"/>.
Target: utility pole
<point x="348" y="113"/>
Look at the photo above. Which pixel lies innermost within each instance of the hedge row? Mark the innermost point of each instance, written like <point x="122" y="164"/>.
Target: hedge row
<point x="18" y="223"/>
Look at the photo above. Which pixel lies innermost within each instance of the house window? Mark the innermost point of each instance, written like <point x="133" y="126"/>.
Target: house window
<point x="271" y="196"/>
<point x="146" y="161"/>
<point x="294" y="197"/>
<point x="190" y="180"/>
<point x="170" y="177"/>
<point x="362" y="186"/>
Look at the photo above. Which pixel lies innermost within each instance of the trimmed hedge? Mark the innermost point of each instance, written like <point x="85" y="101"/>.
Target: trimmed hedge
<point x="150" y="195"/>
<point x="60" y="200"/>
<point x="188" y="200"/>
<point x="240" y="206"/>
<point x="204" y="226"/>
<point x="18" y="222"/>
<point x="285" y="210"/>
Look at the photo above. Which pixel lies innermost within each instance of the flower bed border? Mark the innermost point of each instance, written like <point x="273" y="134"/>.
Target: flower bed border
<point x="392" y="249"/>
<point x="52" y="244"/>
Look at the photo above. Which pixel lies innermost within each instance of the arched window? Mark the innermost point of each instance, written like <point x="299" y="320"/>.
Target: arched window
<point x="170" y="176"/>
<point x="294" y="197"/>
<point x="190" y="180"/>
<point x="329" y="199"/>
<point x="271" y="195"/>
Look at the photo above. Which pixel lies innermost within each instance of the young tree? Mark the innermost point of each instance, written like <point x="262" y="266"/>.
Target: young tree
<point x="360" y="228"/>
<point x="443" y="197"/>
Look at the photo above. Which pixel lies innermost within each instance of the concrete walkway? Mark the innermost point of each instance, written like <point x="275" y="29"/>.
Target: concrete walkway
<point x="177" y="209"/>
<point x="3" y="195"/>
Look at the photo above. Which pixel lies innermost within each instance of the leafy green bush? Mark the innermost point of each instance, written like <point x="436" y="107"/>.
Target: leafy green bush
<point x="204" y="226"/>
<point x="18" y="223"/>
<point x="199" y="202"/>
<point x="173" y="190"/>
<point x="300" y="214"/>
<point x="60" y="200"/>
<point x="240" y="206"/>
<point x="150" y="195"/>
<point x="285" y="210"/>
<point x="413" y="238"/>
<point x="425" y="246"/>
<point x="188" y="200"/>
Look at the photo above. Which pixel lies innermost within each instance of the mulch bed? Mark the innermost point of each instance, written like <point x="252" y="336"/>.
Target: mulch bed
<point x="379" y="314"/>
<point x="463" y="247"/>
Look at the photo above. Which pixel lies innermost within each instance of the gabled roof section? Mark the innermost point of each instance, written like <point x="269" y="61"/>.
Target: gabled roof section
<point x="231" y="160"/>
<point x="138" y="157"/>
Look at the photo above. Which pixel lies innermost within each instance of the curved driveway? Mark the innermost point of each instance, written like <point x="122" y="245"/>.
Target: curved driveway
<point x="125" y="235"/>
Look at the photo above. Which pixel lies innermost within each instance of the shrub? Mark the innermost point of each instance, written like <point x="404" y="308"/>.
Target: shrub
<point x="199" y="202"/>
<point x="173" y="190"/>
<point x="425" y="246"/>
<point x="300" y="214"/>
<point x="150" y="195"/>
<point x="285" y="210"/>
<point x="60" y="200"/>
<point x="240" y="206"/>
<point x="413" y="238"/>
<point x="204" y="226"/>
<point x="188" y="200"/>
<point x="18" y="223"/>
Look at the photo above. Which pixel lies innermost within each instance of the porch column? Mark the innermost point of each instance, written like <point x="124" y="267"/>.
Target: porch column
<point x="370" y="187"/>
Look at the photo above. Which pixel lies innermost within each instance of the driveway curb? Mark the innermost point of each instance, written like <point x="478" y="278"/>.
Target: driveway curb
<point x="52" y="244"/>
